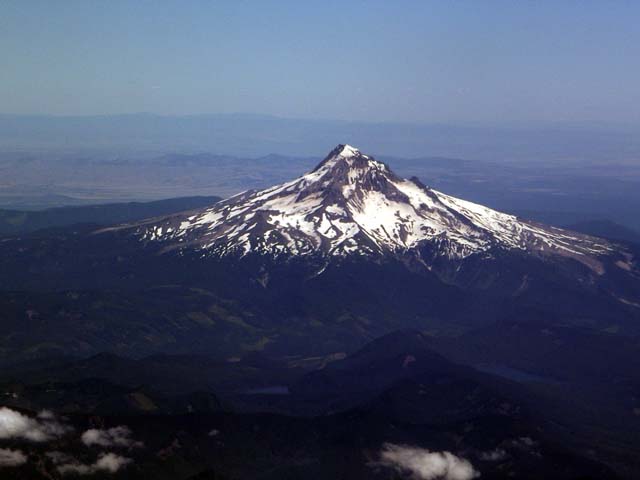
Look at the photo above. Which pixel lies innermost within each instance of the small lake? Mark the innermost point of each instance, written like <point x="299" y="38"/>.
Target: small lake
<point x="274" y="390"/>
<point x="513" y="374"/>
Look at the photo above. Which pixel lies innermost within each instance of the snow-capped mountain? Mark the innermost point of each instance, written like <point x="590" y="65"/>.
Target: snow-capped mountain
<point x="319" y="265"/>
<point x="352" y="204"/>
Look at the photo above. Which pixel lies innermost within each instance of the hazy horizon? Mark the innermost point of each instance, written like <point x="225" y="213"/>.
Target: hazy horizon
<point x="255" y="135"/>
<point x="579" y="124"/>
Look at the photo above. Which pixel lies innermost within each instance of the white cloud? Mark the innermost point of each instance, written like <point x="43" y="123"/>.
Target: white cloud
<point x="422" y="464"/>
<point x="46" y="415"/>
<point x="110" y="462"/>
<point x="11" y="458"/>
<point x="44" y="427"/>
<point x="526" y="442"/>
<point x="106" y="462"/>
<point x="113" y="437"/>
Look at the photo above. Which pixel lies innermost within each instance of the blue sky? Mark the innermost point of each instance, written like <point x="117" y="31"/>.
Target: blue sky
<point x="455" y="62"/>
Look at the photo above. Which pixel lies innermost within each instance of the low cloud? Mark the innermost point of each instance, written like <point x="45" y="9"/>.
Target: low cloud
<point x="422" y="464"/>
<point x="59" y="458"/>
<point x="106" y="463"/>
<point x="113" y="437"/>
<point x="494" y="455"/>
<point x="12" y="458"/>
<point x="42" y="428"/>
<point x="525" y="442"/>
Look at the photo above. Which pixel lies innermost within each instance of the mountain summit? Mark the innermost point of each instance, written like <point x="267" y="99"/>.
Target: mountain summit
<point x="352" y="204"/>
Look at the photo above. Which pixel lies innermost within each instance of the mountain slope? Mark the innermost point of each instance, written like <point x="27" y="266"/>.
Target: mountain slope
<point x="354" y="205"/>
<point x="18" y="222"/>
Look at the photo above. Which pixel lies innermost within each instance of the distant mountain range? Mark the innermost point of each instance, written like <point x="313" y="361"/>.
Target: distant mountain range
<point x="258" y="135"/>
